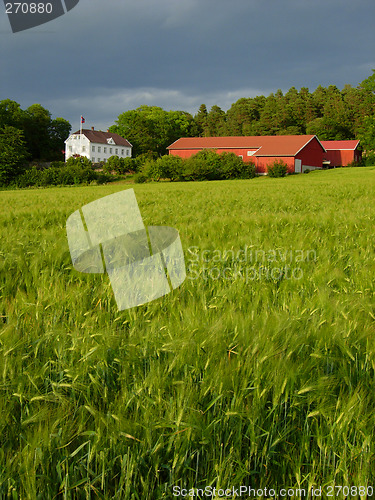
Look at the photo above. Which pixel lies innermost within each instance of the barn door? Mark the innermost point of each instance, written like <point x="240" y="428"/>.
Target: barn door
<point x="297" y="166"/>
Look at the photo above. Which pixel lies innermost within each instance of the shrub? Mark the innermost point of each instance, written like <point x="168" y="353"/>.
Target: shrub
<point x="73" y="172"/>
<point x="204" y="165"/>
<point x="119" y="165"/>
<point x="248" y="170"/>
<point x="128" y="165"/>
<point x="140" y="178"/>
<point x="231" y="166"/>
<point x="152" y="170"/>
<point x="277" y="169"/>
<point x="140" y="160"/>
<point x="57" y="164"/>
<point x="113" y="164"/>
<point x="78" y="161"/>
<point x="368" y="159"/>
<point x="31" y="177"/>
<point x="170" y="167"/>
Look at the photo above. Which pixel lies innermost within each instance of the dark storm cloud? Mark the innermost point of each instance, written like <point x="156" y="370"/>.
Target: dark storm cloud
<point x="104" y="57"/>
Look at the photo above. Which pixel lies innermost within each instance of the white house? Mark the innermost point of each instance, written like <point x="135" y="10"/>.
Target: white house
<point x="96" y="145"/>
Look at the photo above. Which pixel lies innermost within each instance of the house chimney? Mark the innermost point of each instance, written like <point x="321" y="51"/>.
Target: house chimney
<point x="92" y="128"/>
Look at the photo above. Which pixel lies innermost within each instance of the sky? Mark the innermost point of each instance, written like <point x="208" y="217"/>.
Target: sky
<point x="105" y="57"/>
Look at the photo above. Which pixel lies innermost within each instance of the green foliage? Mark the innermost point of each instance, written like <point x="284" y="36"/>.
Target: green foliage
<point x="143" y="158"/>
<point x="170" y="167"/>
<point x="140" y="178"/>
<point x="233" y="167"/>
<point x="75" y="171"/>
<point x="57" y="164"/>
<point x="58" y="132"/>
<point x="369" y="159"/>
<point x="128" y="165"/>
<point x="367" y="133"/>
<point x="248" y="170"/>
<point x="330" y="113"/>
<point x="13" y="154"/>
<point x="119" y="165"/>
<point x="152" y="129"/>
<point x="113" y="164"/>
<point x="79" y="161"/>
<point x="152" y="170"/>
<point x="44" y="137"/>
<point x="277" y="169"/>
<point x="205" y="165"/>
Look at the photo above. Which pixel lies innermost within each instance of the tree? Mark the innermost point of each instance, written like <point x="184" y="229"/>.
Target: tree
<point x="216" y="121"/>
<point x="36" y="130"/>
<point x="152" y="129"/>
<point x="13" y="154"/>
<point x="201" y="121"/>
<point x="11" y="114"/>
<point x="267" y="124"/>
<point x="367" y="134"/>
<point x="243" y="115"/>
<point x="320" y="128"/>
<point x="369" y="84"/>
<point x="58" y="131"/>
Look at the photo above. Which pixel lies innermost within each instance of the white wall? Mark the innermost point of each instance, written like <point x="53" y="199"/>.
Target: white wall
<point x="77" y="145"/>
<point x="101" y="152"/>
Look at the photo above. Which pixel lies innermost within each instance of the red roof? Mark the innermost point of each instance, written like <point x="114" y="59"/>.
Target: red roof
<point x="350" y="145"/>
<point x="265" y="145"/>
<point x="100" y="137"/>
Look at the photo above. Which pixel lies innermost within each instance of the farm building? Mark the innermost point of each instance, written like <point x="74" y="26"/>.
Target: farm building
<point x="341" y="153"/>
<point x="299" y="152"/>
<point x="96" y="145"/>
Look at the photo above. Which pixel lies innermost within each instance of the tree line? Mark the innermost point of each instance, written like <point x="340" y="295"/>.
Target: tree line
<point x="329" y="113"/>
<point x="28" y="135"/>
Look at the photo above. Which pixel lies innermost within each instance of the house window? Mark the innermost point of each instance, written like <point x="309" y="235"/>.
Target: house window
<point x="104" y="150"/>
<point x="240" y="156"/>
<point x="98" y="160"/>
<point x="93" y="148"/>
<point x="70" y="148"/>
<point x="122" y="152"/>
<point x="116" y="151"/>
<point x="110" y="151"/>
<point x="99" y="149"/>
<point x="83" y="148"/>
<point x="127" y="152"/>
<point x="93" y="160"/>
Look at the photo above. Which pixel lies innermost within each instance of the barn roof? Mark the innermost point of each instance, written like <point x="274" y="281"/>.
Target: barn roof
<point x="349" y="145"/>
<point x="265" y="145"/>
<point x="99" y="137"/>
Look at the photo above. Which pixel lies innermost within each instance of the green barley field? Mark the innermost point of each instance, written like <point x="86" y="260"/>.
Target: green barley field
<point x="258" y="371"/>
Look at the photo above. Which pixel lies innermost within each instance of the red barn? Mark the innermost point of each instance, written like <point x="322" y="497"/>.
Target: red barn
<point x="299" y="152"/>
<point x="341" y="153"/>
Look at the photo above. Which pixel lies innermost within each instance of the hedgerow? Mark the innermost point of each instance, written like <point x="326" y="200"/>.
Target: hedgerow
<point x="205" y="165"/>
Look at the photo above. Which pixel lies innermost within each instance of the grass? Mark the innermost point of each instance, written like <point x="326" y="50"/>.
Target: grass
<point x="245" y="375"/>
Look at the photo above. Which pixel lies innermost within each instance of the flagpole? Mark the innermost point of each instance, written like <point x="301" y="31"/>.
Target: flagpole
<point x="80" y="137"/>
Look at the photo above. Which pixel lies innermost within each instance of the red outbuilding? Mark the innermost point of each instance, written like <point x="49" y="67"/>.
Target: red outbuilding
<point x="299" y="152"/>
<point x="341" y="153"/>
